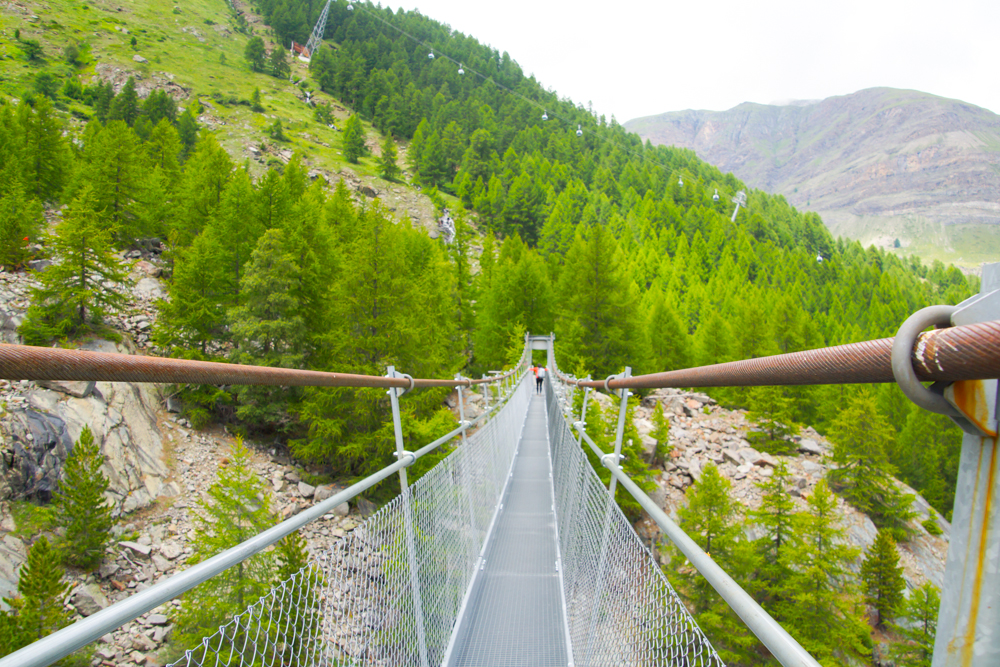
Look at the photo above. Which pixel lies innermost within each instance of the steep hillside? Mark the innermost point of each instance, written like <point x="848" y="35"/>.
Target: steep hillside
<point x="878" y="165"/>
<point x="194" y="51"/>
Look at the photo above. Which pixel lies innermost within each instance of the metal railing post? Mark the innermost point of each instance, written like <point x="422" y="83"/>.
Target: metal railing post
<point x="968" y="630"/>
<point x="404" y="492"/>
<point x="468" y="494"/>
<point x="620" y="432"/>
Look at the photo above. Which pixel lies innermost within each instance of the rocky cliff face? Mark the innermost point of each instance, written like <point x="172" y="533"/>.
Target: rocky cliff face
<point x="877" y="165"/>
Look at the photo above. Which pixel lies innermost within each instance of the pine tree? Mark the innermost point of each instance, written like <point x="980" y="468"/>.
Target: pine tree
<point x="236" y="508"/>
<point x="81" y="506"/>
<point x="882" y="576"/>
<point x="38" y="609"/>
<point x="917" y="647"/>
<point x="255" y="104"/>
<point x="387" y="166"/>
<point x="76" y="293"/>
<point x="354" y="139"/>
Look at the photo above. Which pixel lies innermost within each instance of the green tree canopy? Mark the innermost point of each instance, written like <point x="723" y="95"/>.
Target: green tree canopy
<point x="255" y="53"/>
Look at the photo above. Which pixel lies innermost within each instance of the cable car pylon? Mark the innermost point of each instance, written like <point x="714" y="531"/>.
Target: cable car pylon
<point x="316" y="38"/>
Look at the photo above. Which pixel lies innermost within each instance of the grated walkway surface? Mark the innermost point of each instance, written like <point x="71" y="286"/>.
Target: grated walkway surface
<point x="515" y="614"/>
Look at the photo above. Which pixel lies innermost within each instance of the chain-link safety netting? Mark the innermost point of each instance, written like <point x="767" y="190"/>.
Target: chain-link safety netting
<point x="621" y="610"/>
<point x="358" y="604"/>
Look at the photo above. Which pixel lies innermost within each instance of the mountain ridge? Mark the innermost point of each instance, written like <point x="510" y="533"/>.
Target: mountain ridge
<point x="878" y="165"/>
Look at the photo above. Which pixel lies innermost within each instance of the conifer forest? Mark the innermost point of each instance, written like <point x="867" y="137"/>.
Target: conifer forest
<point x="564" y="222"/>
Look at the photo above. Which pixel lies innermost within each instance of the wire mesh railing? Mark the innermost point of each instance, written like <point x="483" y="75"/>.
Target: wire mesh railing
<point x="621" y="610"/>
<point x="356" y="605"/>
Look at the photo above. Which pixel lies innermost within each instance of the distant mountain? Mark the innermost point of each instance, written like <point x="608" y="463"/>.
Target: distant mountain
<point x="879" y="165"/>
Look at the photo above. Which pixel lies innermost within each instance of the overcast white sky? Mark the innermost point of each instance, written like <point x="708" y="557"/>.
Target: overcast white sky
<point x="635" y="59"/>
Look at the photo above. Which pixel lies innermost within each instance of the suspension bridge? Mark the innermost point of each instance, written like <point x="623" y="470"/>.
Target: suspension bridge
<point x="511" y="551"/>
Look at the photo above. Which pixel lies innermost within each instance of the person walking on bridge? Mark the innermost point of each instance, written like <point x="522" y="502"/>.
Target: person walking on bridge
<point x="539" y="379"/>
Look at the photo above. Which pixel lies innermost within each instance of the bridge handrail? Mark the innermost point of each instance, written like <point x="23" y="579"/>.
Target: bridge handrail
<point x="777" y="640"/>
<point x="63" y="642"/>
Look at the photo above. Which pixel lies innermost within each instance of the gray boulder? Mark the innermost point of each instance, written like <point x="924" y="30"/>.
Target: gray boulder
<point x="88" y="599"/>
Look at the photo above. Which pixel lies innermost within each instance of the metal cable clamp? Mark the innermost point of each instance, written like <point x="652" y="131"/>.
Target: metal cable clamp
<point x="405" y="454"/>
<point x="608" y="457"/>
<point x="902" y="365"/>
<point x="408" y="377"/>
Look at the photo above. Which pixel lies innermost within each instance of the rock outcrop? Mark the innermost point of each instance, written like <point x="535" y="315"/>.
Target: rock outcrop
<point x="42" y="424"/>
<point x="702" y="432"/>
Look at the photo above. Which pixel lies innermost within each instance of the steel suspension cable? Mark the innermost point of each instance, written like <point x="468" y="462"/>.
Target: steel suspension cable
<point x="26" y="362"/>
<point x="970" y="352"/>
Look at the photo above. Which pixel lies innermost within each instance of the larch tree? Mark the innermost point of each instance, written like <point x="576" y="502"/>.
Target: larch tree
<point x="387" y="167"/>
<point x="20" y="220"/>
<point x="816" y="601"/>
<point x="776" y="516"/>
<point x="116" y="169"/>
<point x="353" y="142"/>
<point x="772" y="411"/>
<point x="125" y="107"/>
<point x="37" y="610"/>
<point x="255" y="53"/>
<point x="882" y="578"/>
<point x="861" y="437"/>
<point x="76" y="293"/>
<point x="194" y="315"/>
<point x="268" y="329"/>
<point x="278" y="63"/>
<point x="235" y="508"/>
<point x="713" y="520"/>
<point x="599" y="321"/>
<point x="44" y="154"/>
<point x="921" y="610"/>
<point x="82" y="508"/>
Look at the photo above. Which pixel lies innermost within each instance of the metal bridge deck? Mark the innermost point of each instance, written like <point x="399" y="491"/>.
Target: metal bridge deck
<point x="515" y="613"/>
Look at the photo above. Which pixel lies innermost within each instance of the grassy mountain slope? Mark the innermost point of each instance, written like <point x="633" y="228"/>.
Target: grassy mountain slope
<point x="193" y="49"/>
<point x="879" y="165"/>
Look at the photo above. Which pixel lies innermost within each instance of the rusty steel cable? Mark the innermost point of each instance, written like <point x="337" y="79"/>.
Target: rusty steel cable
<point x="25" y="362"/>
<point x="970" y="352"/>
